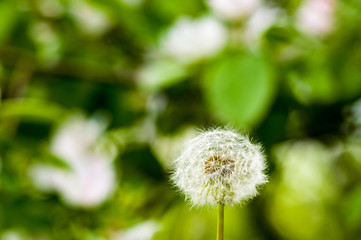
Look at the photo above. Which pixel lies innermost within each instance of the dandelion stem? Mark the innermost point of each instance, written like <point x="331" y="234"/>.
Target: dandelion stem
<point x="220" y="227"/>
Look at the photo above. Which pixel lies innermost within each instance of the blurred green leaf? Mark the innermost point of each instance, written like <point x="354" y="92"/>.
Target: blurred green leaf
<point x="168" y="10"/>
<point x="315" y="86"/>
<point x="8" y="18"/>
<point x="240" y="89"/>
<point x="159" y="74"/>
<point x="30" y="108"/>
<point x="352" y="208"/>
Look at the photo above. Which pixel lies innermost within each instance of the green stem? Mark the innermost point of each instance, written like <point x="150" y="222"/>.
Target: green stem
<point x="220" y="227"/>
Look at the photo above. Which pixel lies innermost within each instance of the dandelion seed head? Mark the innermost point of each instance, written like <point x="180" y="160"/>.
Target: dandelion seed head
<point x="219" y="166"/>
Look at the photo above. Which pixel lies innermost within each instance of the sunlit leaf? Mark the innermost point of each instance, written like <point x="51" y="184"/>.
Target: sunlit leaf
<point x="30" y="108"/>
<point x="239" y="89"/>
<point x="8" y="17"/>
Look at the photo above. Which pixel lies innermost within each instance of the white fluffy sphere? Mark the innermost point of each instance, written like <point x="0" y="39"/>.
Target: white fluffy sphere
<point x="219" y="166"/>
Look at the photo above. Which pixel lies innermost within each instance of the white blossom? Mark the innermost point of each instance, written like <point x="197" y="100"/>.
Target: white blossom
<point x="90" y="19"/>
<point x="233" y="9"/>
<point x="260" y="21"/>
<point x="352" y="122"/>
<point x="47" y="41"/>
<point x="316" y="17"/>
<point x="132" y="3"/>
<point x="308" y="162"/>
<point x="15" y="235"/>
<point x="356" y="112"/>
<point x="191" y="40"/>
<point x="90" y="176"/>
<point x="219" y="166"/>
<point x="50" y="8"/>
<point x="142" y="231"/>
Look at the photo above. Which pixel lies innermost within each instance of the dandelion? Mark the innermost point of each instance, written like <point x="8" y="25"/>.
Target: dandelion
<point x="220" y="167"/>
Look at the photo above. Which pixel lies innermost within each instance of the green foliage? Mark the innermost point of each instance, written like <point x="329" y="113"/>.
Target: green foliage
<point x="8" y="19"/>
<point x="88" y="90"/>
<point x="240" y="89"/>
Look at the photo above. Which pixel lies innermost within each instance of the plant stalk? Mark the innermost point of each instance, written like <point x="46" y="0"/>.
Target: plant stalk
<point x="220" y="226"/>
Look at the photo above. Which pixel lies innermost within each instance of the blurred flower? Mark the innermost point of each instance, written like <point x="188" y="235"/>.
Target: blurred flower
<point x="233" y="9"/>
<point x="353" y="119"/>
<point x="191" y="40"/>
<point x="352" y="127"/>
<point x="90" y="178"/>
<point x="316" y="17"/>
<point x="165" y="146"/>
<point x="75" y="138"/>
<point x="48" y="42"/>
<point x="307" y="162"/>
<point x="305" y="187"/>
<point x="259" y="22"/>
<point x="157" y="74"/>
<point x="132" y="3"/>
<point x="11" y="235"/>
<point x="356" y="112"/>
<point x="219" y="166"/>
<point x="90" y="19"/>
<point x="14" y="235"/>
<point x="50" y="8"/>
<point x="141" y="231"/>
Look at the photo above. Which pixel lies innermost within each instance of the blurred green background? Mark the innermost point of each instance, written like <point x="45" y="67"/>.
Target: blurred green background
<point x="97" y="98"/>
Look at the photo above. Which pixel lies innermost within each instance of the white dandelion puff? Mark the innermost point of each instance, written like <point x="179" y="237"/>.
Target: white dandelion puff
<point x="219" y="166"/>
